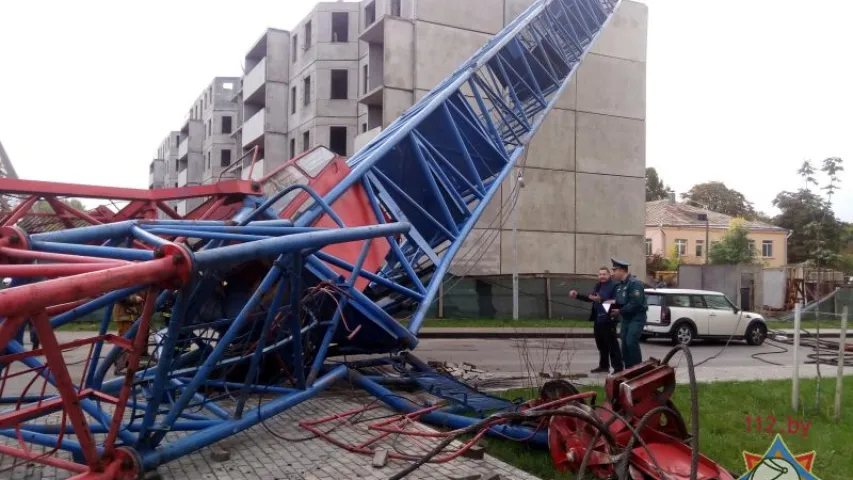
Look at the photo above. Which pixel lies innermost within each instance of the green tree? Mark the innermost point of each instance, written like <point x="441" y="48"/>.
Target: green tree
<point x="734" y="248"/>
<point x="720" y="198"/>
<point x="655" y="188"/>
<point x="43" y="207"/>
<point x="817" y="235"/>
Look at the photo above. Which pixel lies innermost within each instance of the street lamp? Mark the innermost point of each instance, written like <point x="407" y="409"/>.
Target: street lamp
<point x="519" y="184"/>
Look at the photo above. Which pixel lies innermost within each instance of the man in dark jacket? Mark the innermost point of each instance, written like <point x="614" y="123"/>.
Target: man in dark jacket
<point x="606" y="338"/>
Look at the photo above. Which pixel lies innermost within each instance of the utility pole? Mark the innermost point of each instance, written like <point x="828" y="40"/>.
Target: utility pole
<point x="519" y="184"/>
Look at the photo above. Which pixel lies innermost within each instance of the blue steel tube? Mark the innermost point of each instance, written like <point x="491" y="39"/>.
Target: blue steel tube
<point x="222" y="344"/>
<point x="453" y="249"/>
<point x="92" y="306"/>
<point x="296" y="319"/>
<point x="269" y="202"/>
<point x="446" y="419"/>
<point x="94" y="233"/>
<point x="259" y="348"/>
<point x="336" y="318"/>
<point x="270" y="247"/>
<point x="164" y="365"/>
<point x="147" y="237"/>
<point x="185" y="445"/>
<point x="369" y="275"/>
<point x="130" y="254"/>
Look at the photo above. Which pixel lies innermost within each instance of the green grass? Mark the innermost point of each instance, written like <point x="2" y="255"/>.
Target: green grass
<point x="807" y="324"/>
<point x="723" y="408"/>
<point x="503" y="323"/>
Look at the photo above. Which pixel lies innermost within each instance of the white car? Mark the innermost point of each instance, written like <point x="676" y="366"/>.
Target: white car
<point x="685" y="315"/>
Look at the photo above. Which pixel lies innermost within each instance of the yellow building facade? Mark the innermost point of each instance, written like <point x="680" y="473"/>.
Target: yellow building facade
<point x="673" y="226"/>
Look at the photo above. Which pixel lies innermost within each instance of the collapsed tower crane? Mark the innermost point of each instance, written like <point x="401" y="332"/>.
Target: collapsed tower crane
<point x="266" y="282"/>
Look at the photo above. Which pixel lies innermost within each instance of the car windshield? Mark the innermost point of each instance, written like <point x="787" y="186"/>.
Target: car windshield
<point x="718" y="302"/>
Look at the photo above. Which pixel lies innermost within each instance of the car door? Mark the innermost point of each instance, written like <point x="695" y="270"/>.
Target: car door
<point x="682" y="306"/>
<point x="722" y="319"/>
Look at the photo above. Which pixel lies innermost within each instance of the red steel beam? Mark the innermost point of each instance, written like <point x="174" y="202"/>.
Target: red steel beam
<point x="53" y="270"/>
<point x="43" y="459"/>
<point x="26" y="299"/>
<point x="20" y="211"/>
<point x="22" y="254"/>
<point x="227" y="187"/>
<point x="65" y="387"/>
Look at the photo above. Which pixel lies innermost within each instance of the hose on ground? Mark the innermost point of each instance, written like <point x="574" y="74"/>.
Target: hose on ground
<point x="602" y="429"/>
<point x="694" y="407"/>
<point x="569" y="411"/>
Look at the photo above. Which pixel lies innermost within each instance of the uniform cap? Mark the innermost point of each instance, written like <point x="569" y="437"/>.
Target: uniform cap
<point x="619" y="263"/>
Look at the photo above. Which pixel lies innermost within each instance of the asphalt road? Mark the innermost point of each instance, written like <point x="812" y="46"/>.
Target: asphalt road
<point x="738" y="361"/>
<point x="527" y="358"/>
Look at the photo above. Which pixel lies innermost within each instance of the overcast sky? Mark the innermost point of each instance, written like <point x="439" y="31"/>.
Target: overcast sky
<point x="740" y="91"/>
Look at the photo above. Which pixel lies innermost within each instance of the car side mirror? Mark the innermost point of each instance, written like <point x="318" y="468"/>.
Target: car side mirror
<point x="736" y="310"/>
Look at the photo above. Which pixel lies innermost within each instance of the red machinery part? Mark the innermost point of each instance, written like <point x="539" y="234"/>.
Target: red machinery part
<point x="569" y="438"/>
<point x="660" y="452"/>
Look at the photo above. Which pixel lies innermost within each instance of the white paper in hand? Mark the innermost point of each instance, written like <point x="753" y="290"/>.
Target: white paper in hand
<point x="606" y="307"/>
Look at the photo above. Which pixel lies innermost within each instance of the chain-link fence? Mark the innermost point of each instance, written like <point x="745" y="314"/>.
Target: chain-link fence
<point x="491" y="297"/>
<point x="828" y="308"/>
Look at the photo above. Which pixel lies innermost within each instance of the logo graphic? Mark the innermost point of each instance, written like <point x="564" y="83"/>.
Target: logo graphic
<point x="778" y="463"/>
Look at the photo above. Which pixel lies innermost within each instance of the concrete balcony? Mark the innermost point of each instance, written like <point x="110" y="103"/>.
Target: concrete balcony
<point x="255" y="79"/>
<point x="253" y="128"/>
<point x="184" y="148"/>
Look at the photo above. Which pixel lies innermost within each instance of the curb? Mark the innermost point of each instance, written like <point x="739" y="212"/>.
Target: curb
<point x="466" y="335"/>
<point x="500" y="335"/>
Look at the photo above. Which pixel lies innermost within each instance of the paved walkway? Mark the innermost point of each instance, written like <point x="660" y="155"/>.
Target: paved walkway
<point x="282" y="450"/>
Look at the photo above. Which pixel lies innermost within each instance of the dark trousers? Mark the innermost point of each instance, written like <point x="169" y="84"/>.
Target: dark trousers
<point x="631" y="333"/>
<point x="606" y="339"/>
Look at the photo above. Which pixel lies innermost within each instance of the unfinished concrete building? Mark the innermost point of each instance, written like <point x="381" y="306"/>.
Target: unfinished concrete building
<point x="349" y="69"/>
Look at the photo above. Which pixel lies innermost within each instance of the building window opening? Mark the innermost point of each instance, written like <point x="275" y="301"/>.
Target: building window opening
<point x="293" y="100"/>
<point x="226" y="124"/>
<point x="363" y="127"/>
<point x="295" y="49"/>
<point x="369" y="14"/>
<point x="395" y="8"/>
<point x="306" y="86"/>
<point x="308" y="35"/>
<point x="208" y="160"/>
<point x="340" y="81"/>
<point x="338" y="140"/>
<point x="700" y="248"/>
<point x="681" y="247"/>
<point x="292" y="147"/>
<point x="364" y="74"/>
<point x="767" y="248"/>
<point x="648" y="247"/>
<point x="224" y="158"/>
<point x="306" y="141"/>
<point x="340" y="27"/>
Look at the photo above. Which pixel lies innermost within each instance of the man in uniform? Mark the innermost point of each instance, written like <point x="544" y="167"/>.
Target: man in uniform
<point x="630" y="305"/>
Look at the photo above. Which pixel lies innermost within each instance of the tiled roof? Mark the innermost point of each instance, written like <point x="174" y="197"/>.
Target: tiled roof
<point x="668" y="213"/>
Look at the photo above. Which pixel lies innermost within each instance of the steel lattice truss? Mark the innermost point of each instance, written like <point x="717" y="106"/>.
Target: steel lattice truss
<point x="262" y="286"/>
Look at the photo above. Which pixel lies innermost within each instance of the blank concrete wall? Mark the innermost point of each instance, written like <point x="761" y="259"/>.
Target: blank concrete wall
<point x="584" y="169"/>
<point x="774" y="283"/>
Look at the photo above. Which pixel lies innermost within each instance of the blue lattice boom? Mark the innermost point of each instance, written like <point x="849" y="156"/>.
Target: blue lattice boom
<point x="261" y="296"/>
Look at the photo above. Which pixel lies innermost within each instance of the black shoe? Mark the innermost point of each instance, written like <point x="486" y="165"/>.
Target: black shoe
<point x="600" y="370"/>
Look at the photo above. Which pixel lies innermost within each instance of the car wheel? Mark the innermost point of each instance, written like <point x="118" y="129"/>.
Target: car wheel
<point x="756" y="333"/>
<point x="683" y="334"/>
